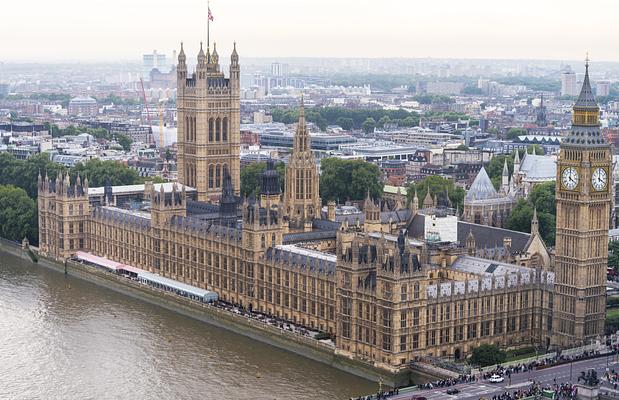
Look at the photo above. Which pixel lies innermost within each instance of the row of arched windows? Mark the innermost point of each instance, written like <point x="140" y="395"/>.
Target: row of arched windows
<point x="218" y="129"/>
<point x="215" y="175"/>
<point x="190" y="128"/>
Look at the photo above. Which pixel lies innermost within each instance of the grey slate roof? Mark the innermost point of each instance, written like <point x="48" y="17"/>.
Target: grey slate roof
<point x="482" y="188"/>
<point x="489" y="237"/>
<point x="538" y="168"/>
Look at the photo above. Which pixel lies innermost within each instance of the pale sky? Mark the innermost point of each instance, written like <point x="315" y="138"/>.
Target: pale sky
<point x="121" y="30"/>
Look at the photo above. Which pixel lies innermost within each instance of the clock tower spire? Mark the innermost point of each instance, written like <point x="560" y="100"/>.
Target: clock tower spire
<point x="583" y="214"/>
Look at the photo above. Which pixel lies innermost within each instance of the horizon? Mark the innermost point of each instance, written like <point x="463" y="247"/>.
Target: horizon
<point x="347" y="29"/>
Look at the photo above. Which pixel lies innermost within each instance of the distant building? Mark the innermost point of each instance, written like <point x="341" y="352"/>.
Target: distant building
<point x="152" y="61"/>
<point x="83" y="106"/>
<point x="444" y="88"/>
<point x="569" y="86"/>
<point x="484" y="205"/>
<point x="602" y="88"/>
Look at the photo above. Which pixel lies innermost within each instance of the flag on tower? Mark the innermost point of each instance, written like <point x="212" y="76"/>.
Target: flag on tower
<point x="210" y="15"/>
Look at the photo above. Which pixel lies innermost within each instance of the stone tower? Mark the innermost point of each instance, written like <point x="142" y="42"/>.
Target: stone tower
<point x="301" y="198"/>
<point x="583" y="211"/>
<point x="208" y="133"/>
<point x="63" y="209"/>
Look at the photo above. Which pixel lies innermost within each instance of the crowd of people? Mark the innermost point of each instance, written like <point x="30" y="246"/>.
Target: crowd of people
<point x="562" y="391"/>
<point x="449" y="382"/>
<point x="525" y="367"/>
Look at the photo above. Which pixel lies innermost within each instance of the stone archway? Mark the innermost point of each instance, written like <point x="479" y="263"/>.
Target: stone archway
<point x="457" y="354"/>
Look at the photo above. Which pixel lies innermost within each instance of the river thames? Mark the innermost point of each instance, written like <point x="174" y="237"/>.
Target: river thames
<point x="63" y="338"/>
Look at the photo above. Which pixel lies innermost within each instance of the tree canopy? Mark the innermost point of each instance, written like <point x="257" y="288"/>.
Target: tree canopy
<point x="542" y="198"/>
<point x="513" y="133"/>
<point x="97" y="171"/>
<point x="251" y="177"/>
<point x="487" y="354"/>
<point x="438" y="186"/>
<point x="343" y="180"/>
<point x="18" y="214"/>
<point x="345" y="117"/>
<point x="613" y="255"/>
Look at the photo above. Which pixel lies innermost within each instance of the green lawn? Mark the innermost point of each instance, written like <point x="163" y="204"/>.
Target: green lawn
<point x="612" y="313"/>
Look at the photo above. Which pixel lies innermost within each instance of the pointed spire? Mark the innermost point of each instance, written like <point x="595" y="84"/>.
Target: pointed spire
<point x="234" y="57"/>
<point x="586" y="98"/>
<point x="534" y="223"/>
<point x="181" y="55"/>
<point x="505" y="168"/>
<point x="201" y="56"/>
<point x="214" y="59"/>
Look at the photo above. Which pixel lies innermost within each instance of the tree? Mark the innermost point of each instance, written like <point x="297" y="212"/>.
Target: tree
<point x="613" y="255"/>
<point x="345" y="123"/>
<point x="368" y="125"/>
<point x="520" y="217"/>
<point x="124" y="140"/>
<point x="513" y="133"/>
<point x="487" y="354"/>
<point x="495" y="168"/>
<point x="99" y="171"/>
<point x="251" y="177"/>
<point x="542" y="198"/>
<point x="343" y="180"/>
<point x="438" y="187"/>
<point x="18" y="215"/>
<point x="383" y="120"/>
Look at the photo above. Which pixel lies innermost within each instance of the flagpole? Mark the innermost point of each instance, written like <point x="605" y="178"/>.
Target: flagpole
<point x="208" y="20"/>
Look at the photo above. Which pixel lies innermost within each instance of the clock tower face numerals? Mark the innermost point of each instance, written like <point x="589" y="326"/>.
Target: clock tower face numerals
<point x="599" y="179"/>
<point x="570" y="178"/>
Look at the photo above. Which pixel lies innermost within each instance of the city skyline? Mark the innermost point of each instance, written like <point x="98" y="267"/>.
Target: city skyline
<point x="273" y="28"/>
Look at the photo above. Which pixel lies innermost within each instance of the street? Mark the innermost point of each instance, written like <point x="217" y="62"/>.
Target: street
<point x="549" y="376"/>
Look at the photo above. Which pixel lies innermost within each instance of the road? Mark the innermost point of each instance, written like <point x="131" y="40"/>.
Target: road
<point x="473" y="391"/>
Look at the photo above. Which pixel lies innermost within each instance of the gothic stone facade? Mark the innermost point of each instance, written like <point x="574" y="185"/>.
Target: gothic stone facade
<point x="208" y="124"/>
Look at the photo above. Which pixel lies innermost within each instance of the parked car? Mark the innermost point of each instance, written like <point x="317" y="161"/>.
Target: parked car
<point x="496" y="379"/>
<point x="453" y="391"/>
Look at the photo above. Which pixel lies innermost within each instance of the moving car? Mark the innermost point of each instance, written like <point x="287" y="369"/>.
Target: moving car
<point x="453" y="391"/>
<point x="496" y="379"/>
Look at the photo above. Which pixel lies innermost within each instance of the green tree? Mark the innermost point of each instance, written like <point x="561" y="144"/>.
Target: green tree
<point x="613" y="255"/>
<point x="495" y="168"/>
<point x="520" y="217"/>
<point x="535" y="149"/>
<point x="124" y="140"/>
<point x="384" y="120"/>
<point x="345" y="123"/>
<point x="513" y="133"/>
<point x="343" y="180"/>
<point x="487" y="354"/>
<point x="98" y="171"/>
<point x="251" y="177"/>
<point x="368" y="125"/>
<point x="18" y="215"/>
<point x="438" y="187"/>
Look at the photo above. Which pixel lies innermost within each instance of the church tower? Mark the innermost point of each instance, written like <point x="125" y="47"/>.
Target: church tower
<point x="301" y="198"/>
<point x="583" y="211"/>
<point x="208" y="134"/>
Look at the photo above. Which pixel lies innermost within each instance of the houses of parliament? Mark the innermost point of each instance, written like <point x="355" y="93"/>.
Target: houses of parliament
<point x="394" y="286"/>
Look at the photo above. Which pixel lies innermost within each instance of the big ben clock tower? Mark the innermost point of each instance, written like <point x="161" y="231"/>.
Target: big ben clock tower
<point x="583" y="214"/>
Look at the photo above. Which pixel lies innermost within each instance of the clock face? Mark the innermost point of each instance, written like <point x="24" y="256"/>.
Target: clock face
<point x="570" y="178"/>
<point x="599" y="179"/>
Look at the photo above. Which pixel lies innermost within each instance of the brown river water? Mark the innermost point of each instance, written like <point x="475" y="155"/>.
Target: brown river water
<point x="63" y="338"/>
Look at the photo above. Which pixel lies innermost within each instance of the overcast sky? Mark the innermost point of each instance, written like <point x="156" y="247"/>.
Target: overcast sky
<point x="121" y="30"/>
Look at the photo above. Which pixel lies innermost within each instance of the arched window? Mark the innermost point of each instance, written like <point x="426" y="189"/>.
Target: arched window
<point x="187" y="128"/>
<point x="224" y="130"/>
<point x="211" y="129"/>
<point x="263" y="242"/>
<point x="218" y="176"/>
<point x="218" y="130"/>
<point x="210" y="176"/>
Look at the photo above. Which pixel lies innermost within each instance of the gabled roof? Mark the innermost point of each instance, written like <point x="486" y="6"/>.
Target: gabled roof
<point x="482" y="188"/>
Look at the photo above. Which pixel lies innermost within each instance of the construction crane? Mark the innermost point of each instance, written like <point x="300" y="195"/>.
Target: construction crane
<point x="150" y="125"/>
<point x="164" y="171"/>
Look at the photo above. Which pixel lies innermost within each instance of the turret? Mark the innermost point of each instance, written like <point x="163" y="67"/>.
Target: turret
<point x="181" y="68"/>
<point x="505" y="178"/>
<point x="235" y="71"/>
<point x="415" y="203"/>
<point x="534" y="223"/>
